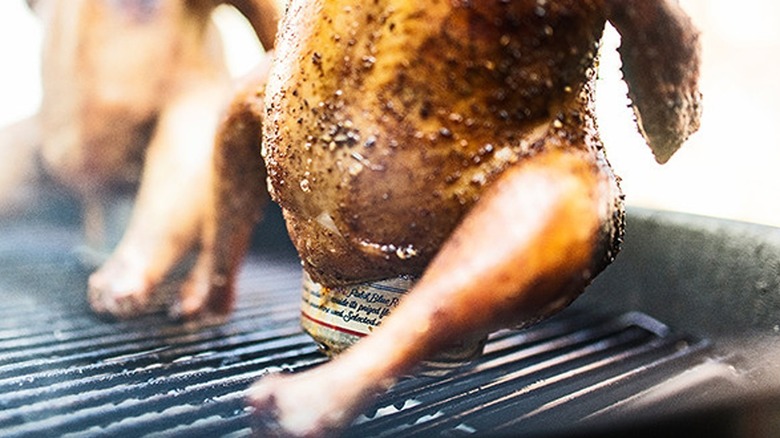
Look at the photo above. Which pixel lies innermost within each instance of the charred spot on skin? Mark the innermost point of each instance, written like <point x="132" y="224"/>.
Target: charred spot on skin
<point x="425" y="109"/>
<point x="316" y="59"/>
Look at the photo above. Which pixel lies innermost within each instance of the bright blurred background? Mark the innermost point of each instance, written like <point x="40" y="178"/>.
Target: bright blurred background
<point x="730" y="168"/>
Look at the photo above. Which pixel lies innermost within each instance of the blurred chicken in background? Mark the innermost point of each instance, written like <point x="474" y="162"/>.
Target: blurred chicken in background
<point x="132" y="91"/>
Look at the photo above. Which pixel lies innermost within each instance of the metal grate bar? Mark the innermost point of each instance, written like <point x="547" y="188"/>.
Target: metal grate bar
<point x="489" y="386"/>
<point x="105" y="376"/>
<point x="86" y="344"/>
<point x="520" y="362"/>
<point x="133" y="408"/>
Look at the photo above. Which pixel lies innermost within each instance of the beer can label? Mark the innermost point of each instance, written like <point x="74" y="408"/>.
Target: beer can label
<point x="352" y="311"/>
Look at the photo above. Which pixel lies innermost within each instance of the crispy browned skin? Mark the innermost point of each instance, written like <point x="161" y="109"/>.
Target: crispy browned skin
<point x="410" y="114"/>
<point x="456" y="141"/>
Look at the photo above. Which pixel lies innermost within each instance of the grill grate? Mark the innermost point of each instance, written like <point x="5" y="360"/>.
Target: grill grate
<point x="65" y="372"/>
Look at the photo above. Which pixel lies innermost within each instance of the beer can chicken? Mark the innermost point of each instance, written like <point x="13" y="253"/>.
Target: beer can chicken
<point x="444" y="150"/>
<point x="453" y="143"/>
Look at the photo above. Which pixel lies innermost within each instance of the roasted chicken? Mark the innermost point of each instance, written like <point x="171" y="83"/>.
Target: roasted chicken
<point x="453" y="143"/>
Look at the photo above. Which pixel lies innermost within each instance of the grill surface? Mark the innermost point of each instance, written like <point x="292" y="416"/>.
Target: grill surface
<point x="63" y="371"/>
